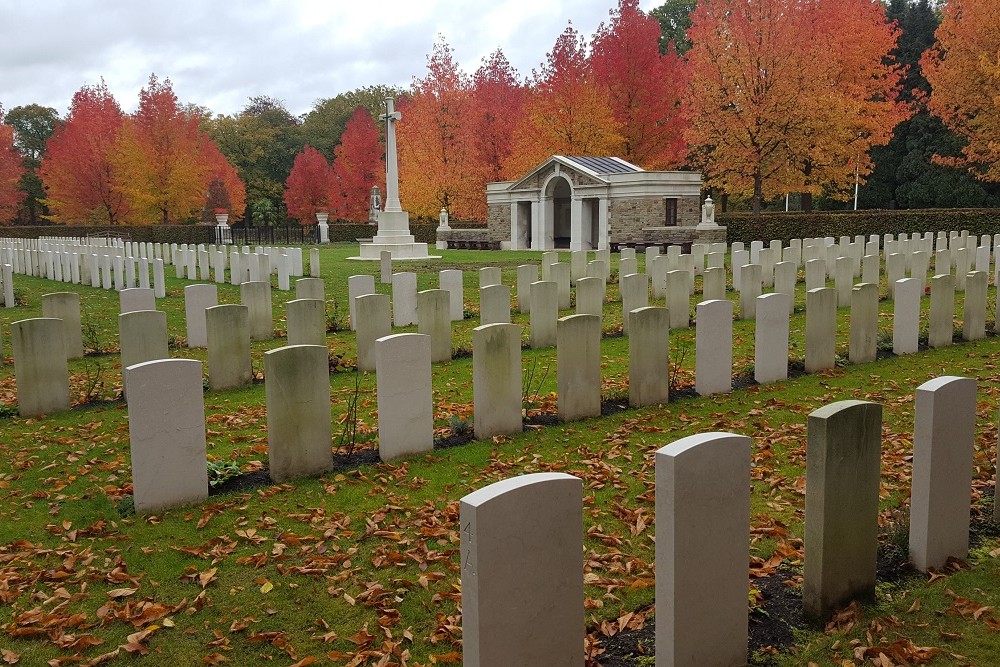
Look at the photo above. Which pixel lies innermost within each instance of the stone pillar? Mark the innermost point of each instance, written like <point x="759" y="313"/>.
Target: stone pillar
<point x="494" y="305"/>
<point x="40" y="370"/>
<point x="906" y="316"/>
<point x="305" y="321"/>
<point x="167" y="437"/>
<point x="648" y="357"/>
<point x="841" y="518"/>
<point x="942" y="310"/>
<point x="299" y="427"/>
<point x="943" y="443"/>
<point x="228" y="336"/>
<point x="821" y="328"/>
<point x="634" y="289"/>
<point x="536" y="226"/>
<point x="526" y="274"/>
<point x="576" y="224"/>
<point x="544" y="314"/>
<point x="590" y="296"/>
<point x="522" y="549"/>
<point x="358" y="285"/>
<point x="451" y="281"/>
<point x="714" y="347"/>
<point x="701" y="599"/>
<point x="496" y="380"/>
<point x="404" y="299"/>
<point x="405" y="404"/>
<point x="974" y="309"/>
<point x="578" y="367"/>
<point x="603" y="228"/>
<point x="863" y="344"/>
<point x="433" y="320"/>
<point x="771" y="338"/>
<point x="374" y="322"/>
<point x="65" y="306"/>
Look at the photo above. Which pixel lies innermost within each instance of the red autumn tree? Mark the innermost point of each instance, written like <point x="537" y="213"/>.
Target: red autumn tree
<point x="568" y="113"/>
<point x="437" y="166"/>
<point x="309" y="186"/>
<point x="497" y="109"/>
<point x="788" y="96"/>
<point x="358" y="164"/>
<point x="79" y="177"/>
<point x="159" y="156"/>
<point x="963" y="69"/>
<point x="223" y="180"/>
<point x="10" y="174"/>
<point x="644" y="86"/>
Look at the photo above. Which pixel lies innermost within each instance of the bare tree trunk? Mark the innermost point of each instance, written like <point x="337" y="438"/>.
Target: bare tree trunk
<point x="758" y="191"/>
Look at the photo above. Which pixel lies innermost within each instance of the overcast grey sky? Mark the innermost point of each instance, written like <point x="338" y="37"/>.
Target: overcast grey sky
<point x="218" y="54"/>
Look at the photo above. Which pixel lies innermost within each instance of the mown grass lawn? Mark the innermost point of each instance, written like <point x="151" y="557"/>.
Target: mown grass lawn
<point x="361" y="566"/>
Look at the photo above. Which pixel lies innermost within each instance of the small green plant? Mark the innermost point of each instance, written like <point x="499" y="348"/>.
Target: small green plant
<point x="677" y="357"/>
<point x="92" y="344"/>
<point x="459" y="425"/>
<point x="349" y="432"/>
<point x="335" y="320"/>
<point x="8" y="411"/>
<point x="93" y="371"/>
<point x="219" y="471"/>
<point x="126" y="506"/>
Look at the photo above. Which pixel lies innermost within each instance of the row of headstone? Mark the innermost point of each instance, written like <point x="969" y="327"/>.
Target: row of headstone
<point x="117" y="264"/>
<point x="522" y="538"/>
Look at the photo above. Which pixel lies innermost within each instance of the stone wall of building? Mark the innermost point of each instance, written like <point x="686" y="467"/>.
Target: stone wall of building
<point x="628" y="217"/>
<point x="498" y="222"/>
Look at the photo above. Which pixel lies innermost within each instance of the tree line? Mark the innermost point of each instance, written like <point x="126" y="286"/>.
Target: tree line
<point x="768" y="98"/>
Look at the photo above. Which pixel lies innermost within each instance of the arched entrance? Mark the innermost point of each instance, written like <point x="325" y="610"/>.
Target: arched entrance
<point x="556" y="220"/>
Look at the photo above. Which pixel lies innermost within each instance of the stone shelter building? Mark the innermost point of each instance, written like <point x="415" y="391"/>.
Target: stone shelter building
<point x="584" y="203"/>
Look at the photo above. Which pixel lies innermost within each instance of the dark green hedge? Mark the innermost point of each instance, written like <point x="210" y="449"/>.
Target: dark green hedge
<point x="784" y="226"/>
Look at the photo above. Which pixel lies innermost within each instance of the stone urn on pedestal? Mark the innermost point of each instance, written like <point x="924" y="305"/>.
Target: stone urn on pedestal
<point x="222" y="231"/>
<point x="324" y="229"/>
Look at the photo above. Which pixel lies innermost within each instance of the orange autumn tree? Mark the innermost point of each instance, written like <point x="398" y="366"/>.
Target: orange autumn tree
<point x="437" y="166"/>
<point x="309" y="186"/>
<point x="77" y="171"/>
<point x="10" y="174"/>
<point x="643" y="85"/>
<point x="963" y="69"/>
<point x="568" y="112"/>
<point x="358" y="164"/>
<point x="159" y="157"/>
<point x="787" y="96"/>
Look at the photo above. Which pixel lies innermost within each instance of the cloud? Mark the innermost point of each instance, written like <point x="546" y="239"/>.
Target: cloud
<point x="218" y="54"/>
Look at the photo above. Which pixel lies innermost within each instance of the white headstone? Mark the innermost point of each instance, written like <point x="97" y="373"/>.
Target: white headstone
<point x="256" y="296"/>
<point x="714" y="347"/>
<point x="943" y="441"/>
<point x="357" y="285"/>
<point x="374" y="322"/>
<point x="863" y="344"/>
<point x="590" y="296"/>
<point x="842" y="496"/>
<point x="142" y="336"/>
<point x="494" y="304"/>
<point x="451" y="281"/>
<point x="821" y="329"/>
<point x="522" y="540"/>
<point x="228" y="336"/>
<point x="544" y="296"/>
<point x="942" y="310"/>
<point x="305" y="320"/>
<point x="405" y="407"/>
<point x="40" y="368"/>
<point x="404" y="299"/>
<point x="578" y="366"/>
<point x="906" y="316"/>
<point x="496" y="379"/>
<point x="771" y="338"/>
<point x="701" y="600"/>
<point x="648" y="357"/>
<point x="167" y="437"/>
<point x="635" y="294"/>
<point x="433" y="319"/>
<point x="136" y="298"/>
<point x="196" y="299"/>
<point x="974" y="306"/>
<point x="299" y="426"/>
<point x="65" y="306"/>
<point x="313" y="288"/>
<point x="526" y="274"/>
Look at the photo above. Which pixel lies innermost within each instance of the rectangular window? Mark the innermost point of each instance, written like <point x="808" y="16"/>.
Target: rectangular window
<point x="671" y="212"/>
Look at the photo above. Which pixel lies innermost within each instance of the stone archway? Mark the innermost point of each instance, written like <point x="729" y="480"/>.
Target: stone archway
<point x="556" y="219"/>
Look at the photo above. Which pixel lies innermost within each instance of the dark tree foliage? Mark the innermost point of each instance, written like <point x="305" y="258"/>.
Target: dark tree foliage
<point x="675" y="18"/>
<point x="905" y="175"/>
<point x="33" y="125"/>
